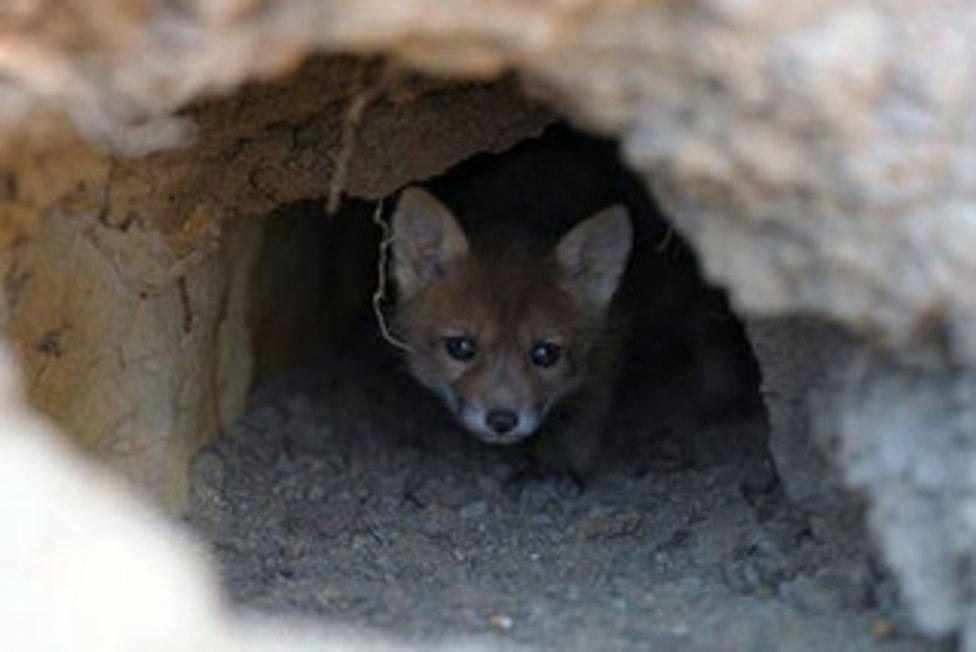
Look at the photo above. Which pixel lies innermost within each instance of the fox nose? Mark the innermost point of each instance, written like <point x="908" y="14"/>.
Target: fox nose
<point x="501" y="421"/>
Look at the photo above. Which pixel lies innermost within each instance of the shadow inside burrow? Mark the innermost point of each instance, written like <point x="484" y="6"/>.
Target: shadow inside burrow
<point x="687" y="366"/>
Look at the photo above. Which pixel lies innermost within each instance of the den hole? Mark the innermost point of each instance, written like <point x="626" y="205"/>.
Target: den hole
<point x="349" y="493"/>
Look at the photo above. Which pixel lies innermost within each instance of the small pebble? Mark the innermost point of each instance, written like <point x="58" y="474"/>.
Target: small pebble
<point x="500" y="621"/>
<point x="329" y="594"/>
<point x="881" y="628"/>
<point x="477" y="509"/>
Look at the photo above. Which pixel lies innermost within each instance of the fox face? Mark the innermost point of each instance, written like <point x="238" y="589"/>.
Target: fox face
<point x="500" y="335"/>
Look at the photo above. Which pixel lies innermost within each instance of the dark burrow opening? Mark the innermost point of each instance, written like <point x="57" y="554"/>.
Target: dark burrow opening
<point x="348" y="492"/>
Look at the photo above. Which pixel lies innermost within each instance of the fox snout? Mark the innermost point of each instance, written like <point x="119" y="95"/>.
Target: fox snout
<point x="497" y="397"/>
<point x="499" y="425"/>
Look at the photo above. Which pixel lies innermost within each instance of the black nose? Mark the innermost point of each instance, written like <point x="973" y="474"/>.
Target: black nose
<point x="501" y="421"/>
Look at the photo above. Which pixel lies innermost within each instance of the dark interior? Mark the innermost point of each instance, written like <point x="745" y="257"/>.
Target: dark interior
<point x="687" y="354"/>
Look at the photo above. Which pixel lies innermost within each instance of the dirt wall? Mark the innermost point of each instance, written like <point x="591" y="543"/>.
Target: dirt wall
<point x="127" y="282"/>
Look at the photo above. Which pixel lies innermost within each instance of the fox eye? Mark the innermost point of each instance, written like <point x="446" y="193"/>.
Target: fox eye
<point x="545" y="354"/>
<point x="461" y="347"/>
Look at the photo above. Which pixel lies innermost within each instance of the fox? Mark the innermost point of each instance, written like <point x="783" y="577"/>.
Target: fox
<point x="516" y="339"/>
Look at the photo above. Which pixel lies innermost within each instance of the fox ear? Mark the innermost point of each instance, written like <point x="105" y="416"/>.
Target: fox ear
<point x="593" y="254"/>
<point x="426" y="240"/>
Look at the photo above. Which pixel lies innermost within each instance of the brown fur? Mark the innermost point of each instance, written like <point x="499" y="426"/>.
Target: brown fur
<point x="507" y="299"/>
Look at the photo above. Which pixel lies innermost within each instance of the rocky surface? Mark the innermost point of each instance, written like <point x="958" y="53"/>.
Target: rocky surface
<point x="347" y="494"/>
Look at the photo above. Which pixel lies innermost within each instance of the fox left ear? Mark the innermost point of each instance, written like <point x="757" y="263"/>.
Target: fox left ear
<point x="593" y="254"/>
<point x="426" y="240"/>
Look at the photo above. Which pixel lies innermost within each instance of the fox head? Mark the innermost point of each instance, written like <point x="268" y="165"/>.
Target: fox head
<point x="502" y="337"/>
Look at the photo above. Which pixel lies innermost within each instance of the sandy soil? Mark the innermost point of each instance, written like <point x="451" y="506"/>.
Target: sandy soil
<point x="346" y="494"/>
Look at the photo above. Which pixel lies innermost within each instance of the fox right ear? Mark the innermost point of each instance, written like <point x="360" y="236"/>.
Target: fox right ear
<point x="594" y="253"/>
<point x="426" y="240"/>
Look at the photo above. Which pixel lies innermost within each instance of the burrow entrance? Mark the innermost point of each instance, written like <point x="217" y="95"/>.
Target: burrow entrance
<point x="348" y="493"/>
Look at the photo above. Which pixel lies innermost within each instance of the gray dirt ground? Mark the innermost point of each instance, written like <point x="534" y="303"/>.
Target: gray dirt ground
<point x="346" y="494"/>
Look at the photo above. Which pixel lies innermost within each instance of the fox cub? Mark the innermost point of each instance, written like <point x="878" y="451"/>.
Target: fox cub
<point x="515" y="340"/>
